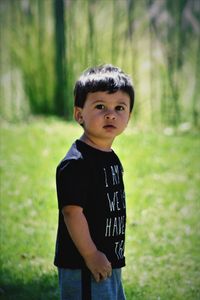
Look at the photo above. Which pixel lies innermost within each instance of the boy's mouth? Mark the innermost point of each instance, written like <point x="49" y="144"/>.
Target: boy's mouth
<point x="109" y="126"/>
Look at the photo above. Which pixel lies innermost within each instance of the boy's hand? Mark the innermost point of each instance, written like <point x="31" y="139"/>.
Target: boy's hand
<point x="99" y="265"/>
<point x="77" y="226"/>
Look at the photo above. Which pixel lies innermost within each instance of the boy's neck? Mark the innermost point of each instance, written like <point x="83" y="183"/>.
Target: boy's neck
<point x="96" y="144"/>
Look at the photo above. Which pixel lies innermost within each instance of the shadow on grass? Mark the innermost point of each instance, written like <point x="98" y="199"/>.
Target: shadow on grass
<point x="45" y="287"/>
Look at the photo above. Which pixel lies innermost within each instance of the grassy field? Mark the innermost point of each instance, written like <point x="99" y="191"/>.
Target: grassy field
<point x="162" y="177"/>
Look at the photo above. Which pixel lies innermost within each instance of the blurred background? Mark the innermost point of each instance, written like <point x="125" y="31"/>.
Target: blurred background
<point x="46" y="44"/>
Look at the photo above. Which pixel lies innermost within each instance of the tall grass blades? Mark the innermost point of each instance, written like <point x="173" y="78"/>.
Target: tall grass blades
<point x="156" y="42"/>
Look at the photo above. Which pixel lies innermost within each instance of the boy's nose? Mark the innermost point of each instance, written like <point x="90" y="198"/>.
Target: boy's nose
<point x="110" y="115"/>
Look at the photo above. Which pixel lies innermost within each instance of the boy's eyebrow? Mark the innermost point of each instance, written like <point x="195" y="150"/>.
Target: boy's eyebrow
<point x="101" y="100"/>
<point x="122" y="103"/>
<point x="98" y="100"/>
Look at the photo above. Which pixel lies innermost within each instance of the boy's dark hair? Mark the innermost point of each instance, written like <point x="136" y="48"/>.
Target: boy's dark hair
<point x="104" y="78"/>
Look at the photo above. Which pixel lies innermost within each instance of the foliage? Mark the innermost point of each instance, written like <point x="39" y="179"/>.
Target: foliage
<point x="27" y="57"/>
<point x="162" y="187"/>
<point x="156" y="41"/>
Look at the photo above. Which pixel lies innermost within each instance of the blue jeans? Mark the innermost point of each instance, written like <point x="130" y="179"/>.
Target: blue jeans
<point x="109" y="289"/>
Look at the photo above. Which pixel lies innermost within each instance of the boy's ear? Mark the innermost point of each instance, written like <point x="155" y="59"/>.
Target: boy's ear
<point x="78" y="114"/>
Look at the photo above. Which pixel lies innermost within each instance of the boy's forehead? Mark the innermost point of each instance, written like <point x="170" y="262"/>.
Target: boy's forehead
<point x="103" y="95"/>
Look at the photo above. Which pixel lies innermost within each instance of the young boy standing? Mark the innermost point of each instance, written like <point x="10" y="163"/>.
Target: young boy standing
<point x="91" y="199"/>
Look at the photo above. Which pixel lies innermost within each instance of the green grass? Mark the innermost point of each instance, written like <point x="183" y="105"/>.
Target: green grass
<point x="162" y="177"/>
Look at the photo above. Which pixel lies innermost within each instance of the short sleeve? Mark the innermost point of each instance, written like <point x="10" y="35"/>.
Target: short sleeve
<point x="71" y="183"/>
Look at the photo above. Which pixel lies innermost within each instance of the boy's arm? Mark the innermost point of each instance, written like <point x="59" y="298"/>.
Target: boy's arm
<point x="78" y="229"/>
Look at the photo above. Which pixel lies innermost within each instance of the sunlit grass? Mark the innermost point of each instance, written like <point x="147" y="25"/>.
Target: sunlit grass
<point x="162" y="184"/>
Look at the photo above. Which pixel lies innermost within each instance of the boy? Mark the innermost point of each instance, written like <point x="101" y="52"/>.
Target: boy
<point x="92" y="216"/>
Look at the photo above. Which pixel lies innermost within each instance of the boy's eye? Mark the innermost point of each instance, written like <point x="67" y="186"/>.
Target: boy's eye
<point x="119" y="107"/>
<point x="100" y="106"/>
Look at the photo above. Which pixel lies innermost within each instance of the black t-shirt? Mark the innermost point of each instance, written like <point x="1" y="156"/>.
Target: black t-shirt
<point x="91" y="179"/>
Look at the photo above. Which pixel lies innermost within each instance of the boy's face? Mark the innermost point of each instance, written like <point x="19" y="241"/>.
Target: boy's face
<point x="104" y="116"/>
